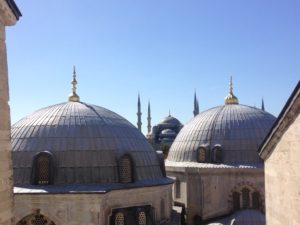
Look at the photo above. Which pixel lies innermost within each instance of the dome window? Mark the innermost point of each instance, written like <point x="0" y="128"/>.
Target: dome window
<point x="142" y="218"/>
<point x="42" y="169"/>
<point x="125" y="169"/>
<point x="217" y="154"/>
<point x="119" y="219"/>
<point x="201" y="154"/>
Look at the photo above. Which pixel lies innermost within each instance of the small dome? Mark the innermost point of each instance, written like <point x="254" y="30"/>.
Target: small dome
<point x="170" y="120"/>
<point x="237" y="129"/>
<point x="86" y="142"/>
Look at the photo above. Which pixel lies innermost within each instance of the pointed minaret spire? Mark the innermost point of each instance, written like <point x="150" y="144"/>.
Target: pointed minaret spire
<point x="169" y="113"/>
<point x="196" y="105"/>
<point x="230" y="98"/>
<point x="262" y="105"/>
<point x="139" y="114"/>
<point x="149" y="118"/>
<point x="73" y="97"/>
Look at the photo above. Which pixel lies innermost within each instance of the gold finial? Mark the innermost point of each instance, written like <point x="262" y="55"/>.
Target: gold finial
<point x="73" y="97"/>
<point x="230" y="86"/>
<point x="230" y="98"/>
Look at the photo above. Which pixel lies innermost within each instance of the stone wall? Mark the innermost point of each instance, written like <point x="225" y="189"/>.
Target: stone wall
<point x="91" y="209"/>
<point x="282" y="179"/>
<point x="208" y="192"/>
<point x="6" y="196"/>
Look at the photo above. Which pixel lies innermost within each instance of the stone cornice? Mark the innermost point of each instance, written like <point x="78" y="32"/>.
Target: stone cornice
<point x="288" y="114"/>
<point x="7" y="16"/>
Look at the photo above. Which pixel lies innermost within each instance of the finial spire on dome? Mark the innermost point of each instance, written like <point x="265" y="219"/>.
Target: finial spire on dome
<point x="73" y="97"/>
<point x="230" y="98"/>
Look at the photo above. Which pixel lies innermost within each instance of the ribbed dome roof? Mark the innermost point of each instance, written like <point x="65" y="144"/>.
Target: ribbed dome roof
<point x="238" y="129"/>
<point x="86" y="142"/>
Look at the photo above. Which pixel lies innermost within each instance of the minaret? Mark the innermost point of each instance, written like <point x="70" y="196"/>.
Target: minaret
<point x="149" y="118"/>
<point x="262" y="105"/>
<point x="73" y="97"/>
<point x="9" y="14"/>
<point x="196" y="105"/>
<point x="139" y="114"/>
<point x="230" y="98"/>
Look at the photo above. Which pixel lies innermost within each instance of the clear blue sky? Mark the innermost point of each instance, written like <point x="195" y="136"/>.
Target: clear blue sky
<point x="164" y="49"/>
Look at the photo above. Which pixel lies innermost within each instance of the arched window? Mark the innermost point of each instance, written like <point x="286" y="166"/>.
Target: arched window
<point x="142" y="219"/>
<point x="35" y="219"/>
<point x="246" y="197"/>
<point x="217" y="154"/>
<point x="42" y="169"/>
<point x="201" y="154"/>
<point x="125" y="169"/>
<point x="236" y="200"/>
<point x="255" y="200"/>
<point x="43" y="164"/>
<point x="119" y="219"/>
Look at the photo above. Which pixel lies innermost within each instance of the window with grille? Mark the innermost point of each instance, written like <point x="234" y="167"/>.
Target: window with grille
<point x="236" y="200"/>
<point x="217" y="150"/>
<point x="246" y="197"/>
<point x="201" y="154"/>
<point x="142" y="220"/>
<point x="255" y="200"/>
<point x="125" y="170"/>
<point x="36" y="219"/>
<point x="42" y="167"/>
<point x="119" y="219"/>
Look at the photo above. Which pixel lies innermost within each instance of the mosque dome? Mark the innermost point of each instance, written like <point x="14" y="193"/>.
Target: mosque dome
<point x="85" y="143"/>
<point x="170" y="120"/>
<point x="231" y="133"/>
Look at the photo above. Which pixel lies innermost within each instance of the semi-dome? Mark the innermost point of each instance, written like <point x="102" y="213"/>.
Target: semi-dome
<point x="235" y="130"/>
<point x="168" y="132"/>
<point x="85" y="143"/>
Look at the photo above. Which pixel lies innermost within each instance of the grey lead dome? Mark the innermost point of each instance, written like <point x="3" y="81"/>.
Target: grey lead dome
<point x="238" y="129"/>
<point x="86" y="142"/>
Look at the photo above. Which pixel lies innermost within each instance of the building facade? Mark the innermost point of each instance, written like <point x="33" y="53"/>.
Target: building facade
<point x="281" y="153"/>
<point x="215" y="163"/>
<point x="9" y="15"/>
<point x="77" y="163"/>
